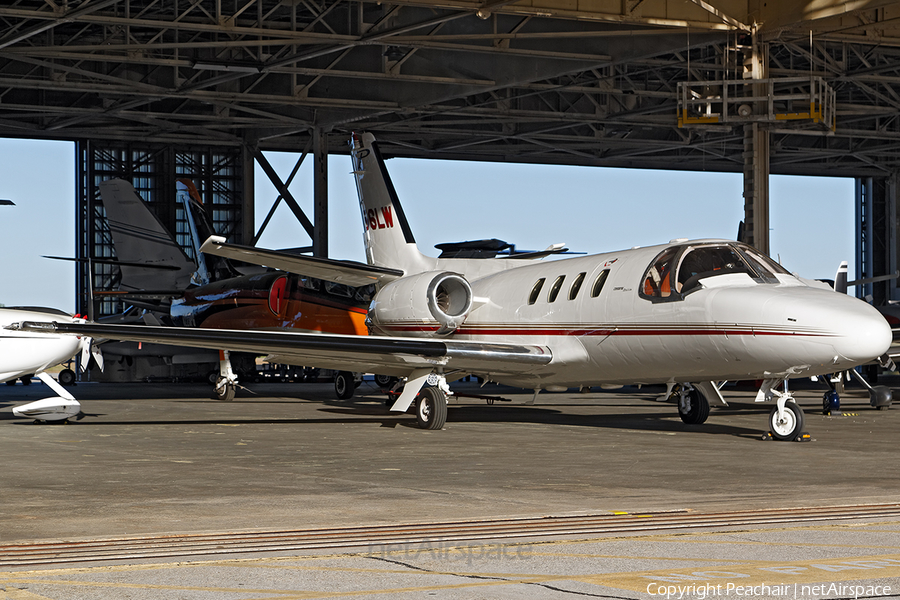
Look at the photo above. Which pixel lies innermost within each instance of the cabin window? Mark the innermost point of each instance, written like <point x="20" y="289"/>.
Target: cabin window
<point x="339" y="289"/>
<point x="658" y="279"/>
<point x="554" y="290"/>
<point x="576" y="286"/>
<point x="364" y="293"/>
<point x="535" y="291"/>
<point x="311" y="283"/>
<point x="598" y="284"/>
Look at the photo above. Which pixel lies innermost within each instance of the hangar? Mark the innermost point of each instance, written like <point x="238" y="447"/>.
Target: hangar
<point x="152" y="90"/>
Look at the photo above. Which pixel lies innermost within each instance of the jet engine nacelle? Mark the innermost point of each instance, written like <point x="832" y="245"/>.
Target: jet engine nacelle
<point x="433" y="303"/>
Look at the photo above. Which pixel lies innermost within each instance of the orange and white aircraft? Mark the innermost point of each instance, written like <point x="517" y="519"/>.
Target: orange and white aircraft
<point x="688" y="312"/>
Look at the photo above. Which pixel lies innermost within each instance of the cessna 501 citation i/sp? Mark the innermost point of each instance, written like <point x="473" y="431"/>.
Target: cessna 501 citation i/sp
<point x="688" y="312"/>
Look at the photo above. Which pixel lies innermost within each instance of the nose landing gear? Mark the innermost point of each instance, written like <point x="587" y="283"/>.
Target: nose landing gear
<point x="786" y="419"/>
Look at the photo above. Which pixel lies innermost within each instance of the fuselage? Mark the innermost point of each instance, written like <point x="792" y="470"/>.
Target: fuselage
<point x="274" y="300"/>
<point x="25" y="353"/>
<point x="720" y="311"/>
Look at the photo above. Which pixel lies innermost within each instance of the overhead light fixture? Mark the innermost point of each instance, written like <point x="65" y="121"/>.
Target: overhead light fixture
<point x="232" y="67"/>
<point x="394" y="53"/>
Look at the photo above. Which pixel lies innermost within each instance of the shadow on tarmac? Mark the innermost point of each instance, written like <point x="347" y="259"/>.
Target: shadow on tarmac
<point x="371" y="409"/>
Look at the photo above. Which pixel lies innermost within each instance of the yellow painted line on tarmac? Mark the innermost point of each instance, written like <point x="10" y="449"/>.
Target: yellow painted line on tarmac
<point x="713" y="573"/>
<point x="706" y="537"/>
<point x="141" y="586"/>
<point x="286" y="594"/>
<point x="17" y="594"/>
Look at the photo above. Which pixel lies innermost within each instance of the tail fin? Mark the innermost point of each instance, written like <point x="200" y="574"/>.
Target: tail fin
<point x="140" y="238"/>
<point x="388" y="238"/>
<point x="200" y="226"/>
<point x="840" y="278"/>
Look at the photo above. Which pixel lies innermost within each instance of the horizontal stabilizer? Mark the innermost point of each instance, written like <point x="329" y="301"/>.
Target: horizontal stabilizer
<point x="114" y="261"/>
<point x="347" y="272"/>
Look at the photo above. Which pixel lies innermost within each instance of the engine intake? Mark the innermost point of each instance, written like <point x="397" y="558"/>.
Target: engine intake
<point x="433" y="303"/>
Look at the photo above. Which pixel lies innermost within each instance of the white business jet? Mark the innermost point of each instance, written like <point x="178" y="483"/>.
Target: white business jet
<point x="688" y="312"/>
<point x="23" y="354"/>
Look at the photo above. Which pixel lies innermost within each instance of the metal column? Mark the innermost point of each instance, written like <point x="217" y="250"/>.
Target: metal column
<point x="756" y="153"/>
<point x="320" y="192"/>
<point x="876" y="237"/>
<point x="756" y="186"/>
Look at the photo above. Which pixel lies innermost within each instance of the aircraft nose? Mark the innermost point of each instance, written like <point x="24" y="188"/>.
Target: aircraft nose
<point x="825" y="330"/>
<point x="862" y="333"/>
<point x="835" y="330"/>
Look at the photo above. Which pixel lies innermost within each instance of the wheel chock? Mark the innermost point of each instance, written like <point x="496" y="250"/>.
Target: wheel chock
<point x="803" y="437"/>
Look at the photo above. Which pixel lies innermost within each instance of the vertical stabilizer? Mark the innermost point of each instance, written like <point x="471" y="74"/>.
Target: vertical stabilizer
<point x="152" y="259"/>
<point x="840" y="278"/>
<point x="388" y="238"/>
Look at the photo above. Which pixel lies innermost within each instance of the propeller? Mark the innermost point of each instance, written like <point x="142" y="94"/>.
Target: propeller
<point x="89" y="350"/>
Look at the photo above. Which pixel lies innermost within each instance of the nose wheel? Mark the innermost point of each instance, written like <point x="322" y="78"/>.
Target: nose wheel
<point x="787" y="423"/>
<point x="786" y="419"/>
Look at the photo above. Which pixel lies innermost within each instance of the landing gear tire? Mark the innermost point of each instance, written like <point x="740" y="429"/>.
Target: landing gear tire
<point x="788" y="427"/>
<point x="66" y="377"/>
<point x="26" y="379"/>
<point x="224" y="390"/>
<point x="385" y="382"/>
<point x="344" y="385"/>
<point x="431" y="408"/>
<point x="693" y="408"/>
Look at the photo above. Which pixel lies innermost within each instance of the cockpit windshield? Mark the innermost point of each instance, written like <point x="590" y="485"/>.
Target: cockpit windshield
<point x="679" y="270"/>
<point x="708" y="261"/>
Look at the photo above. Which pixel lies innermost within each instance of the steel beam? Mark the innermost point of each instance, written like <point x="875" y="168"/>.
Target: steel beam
<point x="320" y="192"/>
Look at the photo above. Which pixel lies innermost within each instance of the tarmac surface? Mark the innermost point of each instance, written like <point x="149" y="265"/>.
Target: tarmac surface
<point x="154" y="460"/>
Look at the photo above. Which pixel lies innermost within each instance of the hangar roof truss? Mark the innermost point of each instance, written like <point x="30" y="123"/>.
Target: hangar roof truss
<point x="591" y="82"/>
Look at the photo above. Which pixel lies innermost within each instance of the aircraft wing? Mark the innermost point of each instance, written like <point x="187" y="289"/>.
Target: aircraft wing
<point x="369" y="354"/>
<point x="348" y="272"/>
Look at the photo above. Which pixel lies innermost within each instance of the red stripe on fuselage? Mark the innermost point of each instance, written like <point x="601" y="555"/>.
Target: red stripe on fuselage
<point x="603" y="332"/>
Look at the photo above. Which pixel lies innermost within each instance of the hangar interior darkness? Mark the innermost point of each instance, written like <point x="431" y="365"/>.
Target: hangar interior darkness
<point x="154" y="90"/>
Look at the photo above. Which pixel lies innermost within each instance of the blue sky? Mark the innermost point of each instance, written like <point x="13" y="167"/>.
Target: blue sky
<point x="589" y="209"/>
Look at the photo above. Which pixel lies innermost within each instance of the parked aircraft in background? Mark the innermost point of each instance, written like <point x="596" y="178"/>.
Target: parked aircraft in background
<point x="688" y="312"/>
<point x="210" y="291"/>
<point x="24" y="355"/>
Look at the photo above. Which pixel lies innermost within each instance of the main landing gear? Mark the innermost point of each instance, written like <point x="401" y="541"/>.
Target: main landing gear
<point x="431" y="408"/>
<point x="344" y="385"/>
<point x="693" y="407"/>
<point x="226" y="382"/>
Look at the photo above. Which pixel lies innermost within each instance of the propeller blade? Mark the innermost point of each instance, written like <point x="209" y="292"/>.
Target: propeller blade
<point x="97" y="354"/>
<point x="85" y="353"/>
